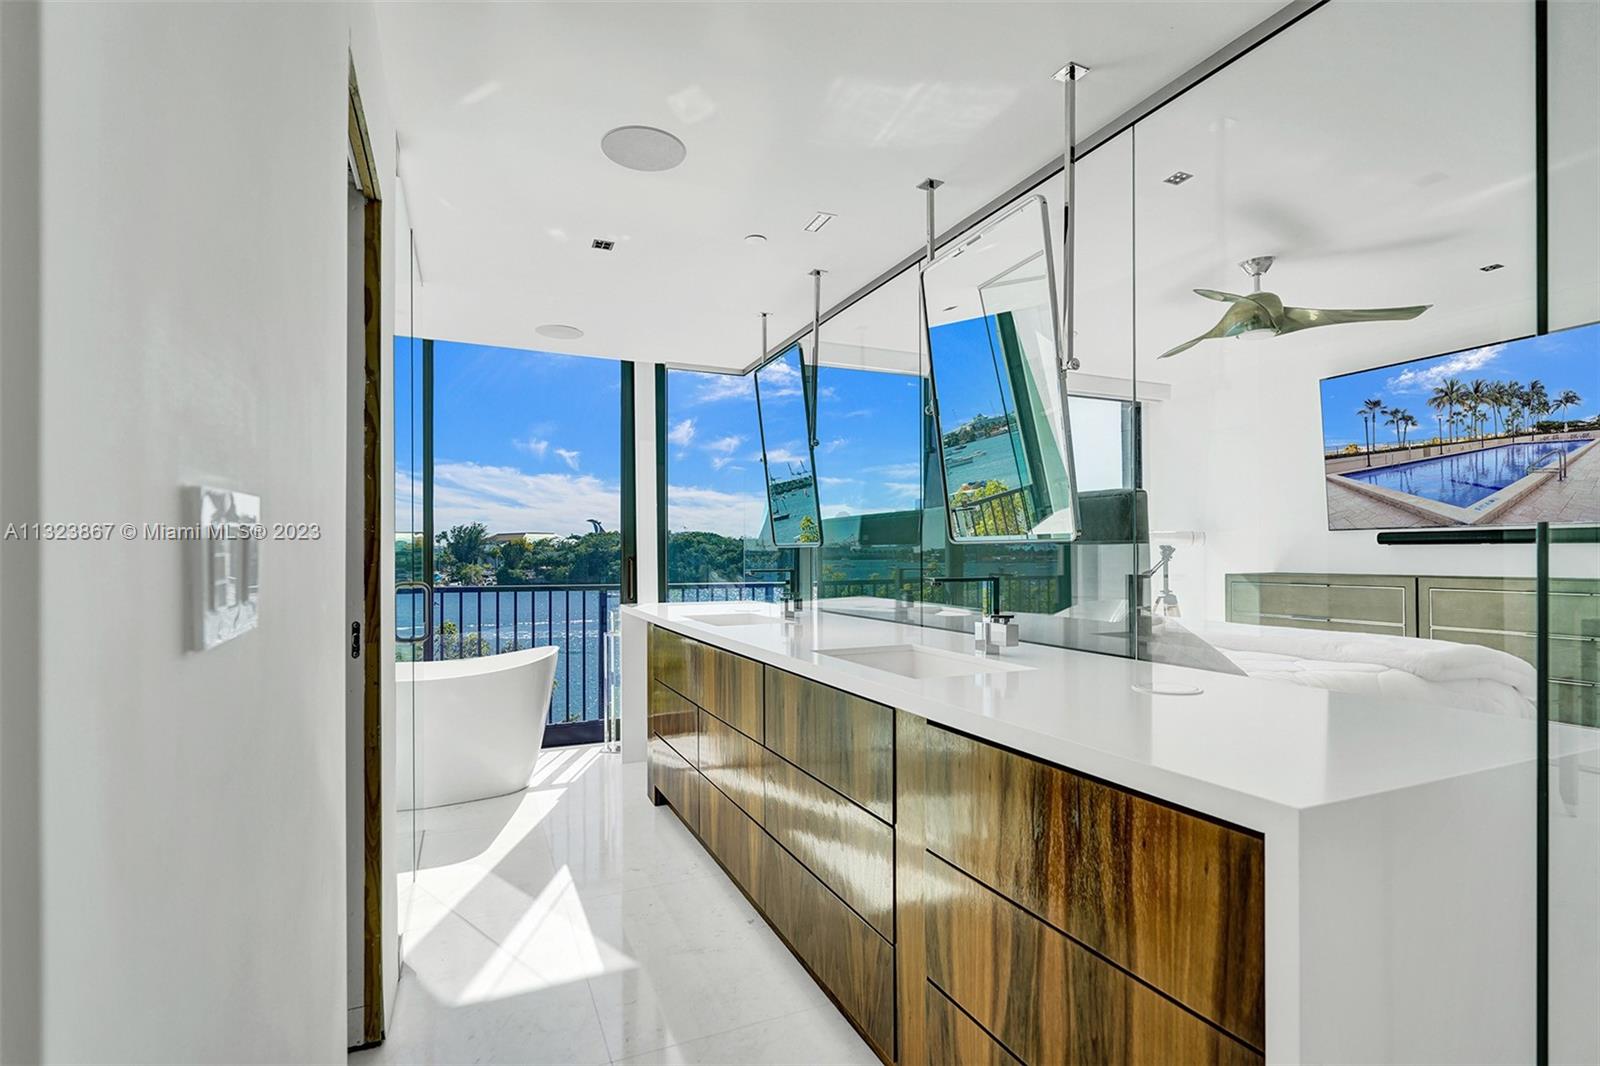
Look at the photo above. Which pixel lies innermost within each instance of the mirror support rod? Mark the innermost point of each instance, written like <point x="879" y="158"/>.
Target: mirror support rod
<point x="816" y="352"/>
<point x="928" y="186"/>
<point x="1069" y="75"/>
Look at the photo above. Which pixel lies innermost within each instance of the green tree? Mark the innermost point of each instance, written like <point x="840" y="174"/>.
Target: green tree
<point x="465" y="554"/>
<point x="1002" y="517"/>
<point x="809" y="534"/>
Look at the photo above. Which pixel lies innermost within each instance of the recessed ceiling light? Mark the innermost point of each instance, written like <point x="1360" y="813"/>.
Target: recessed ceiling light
<point x="600" y="244"/>
<point x="1492" y="266"/>
<point x="952" y="307"/>
<point x="820" y="219"/>
<point x="1177" y="177"/>
<point x="557" y="332"/>
<point x="755" y="238"/>
<point x="643" y="148"/>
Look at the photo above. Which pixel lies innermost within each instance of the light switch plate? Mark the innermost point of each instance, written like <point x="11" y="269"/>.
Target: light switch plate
<point x="226" y="563"/>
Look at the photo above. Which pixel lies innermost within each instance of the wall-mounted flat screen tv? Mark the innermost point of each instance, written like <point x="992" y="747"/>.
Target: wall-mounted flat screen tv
<point x="1507" y="434"/>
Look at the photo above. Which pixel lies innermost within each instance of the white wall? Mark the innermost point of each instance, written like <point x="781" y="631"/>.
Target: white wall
<point x="193" y="311"/>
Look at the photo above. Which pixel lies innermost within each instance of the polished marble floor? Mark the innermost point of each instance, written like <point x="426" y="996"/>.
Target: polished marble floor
<point x="576" y="923"/>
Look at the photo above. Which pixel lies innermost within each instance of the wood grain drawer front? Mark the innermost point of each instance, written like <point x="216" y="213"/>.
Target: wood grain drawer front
<point x="730" y="835"/>
<point x="1173" y="898"/>
<point x="733" y="763"/>
<point x="727" y="685"/>
<point x="955" y="1038"/>
<point x="841" y="740"/>
<point x="674" y="778"/>
<point x="1047" y="998"/>
<point x="669" y="659"/>
<point x="848" y="849"/>
<point x="675" y="720"/>
<point x="845" y="954"/>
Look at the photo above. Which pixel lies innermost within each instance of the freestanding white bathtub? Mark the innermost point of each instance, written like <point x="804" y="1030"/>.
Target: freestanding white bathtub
<point x="470" y="728"/>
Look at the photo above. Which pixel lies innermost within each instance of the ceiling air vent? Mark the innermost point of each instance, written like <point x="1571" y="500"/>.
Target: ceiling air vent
<point x="601" y="245"/>
<point x="1492" y="267"/>
<point x="1177" y="177"/>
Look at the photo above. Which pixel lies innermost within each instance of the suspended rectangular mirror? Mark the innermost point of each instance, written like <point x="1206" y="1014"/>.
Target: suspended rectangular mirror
<point x="994" y="347"/>
<point x="782" y="396"/>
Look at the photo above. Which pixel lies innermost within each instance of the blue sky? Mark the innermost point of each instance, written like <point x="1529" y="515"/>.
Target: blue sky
<point x="530" y="441"/>
<point x="1569" y="359"/>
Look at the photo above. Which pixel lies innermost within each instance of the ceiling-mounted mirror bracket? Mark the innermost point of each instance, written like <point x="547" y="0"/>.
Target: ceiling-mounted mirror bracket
<point x="816" y="356"/>
<point x="1069" y="76"/>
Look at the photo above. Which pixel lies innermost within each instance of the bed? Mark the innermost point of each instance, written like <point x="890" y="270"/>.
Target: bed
<point x="1458" y="641"/>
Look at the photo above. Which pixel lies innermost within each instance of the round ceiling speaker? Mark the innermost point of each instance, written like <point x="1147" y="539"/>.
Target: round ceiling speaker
<point x="643" y="148"/>
<point x="557" y="332"/>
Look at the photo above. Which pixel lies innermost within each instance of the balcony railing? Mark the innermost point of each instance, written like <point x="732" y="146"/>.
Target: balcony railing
<point x="470" y="621"/>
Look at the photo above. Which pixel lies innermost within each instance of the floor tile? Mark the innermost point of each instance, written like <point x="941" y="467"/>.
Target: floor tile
<point x="575" y="922"/>
<point x="818" y="1037"/>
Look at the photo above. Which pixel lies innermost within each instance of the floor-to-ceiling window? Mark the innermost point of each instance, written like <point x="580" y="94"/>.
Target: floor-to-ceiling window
<point x="718" y="542"/>
<point x="519" y="483"/>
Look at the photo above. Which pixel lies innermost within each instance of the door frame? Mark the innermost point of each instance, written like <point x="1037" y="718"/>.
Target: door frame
<point x="363" y="165"/>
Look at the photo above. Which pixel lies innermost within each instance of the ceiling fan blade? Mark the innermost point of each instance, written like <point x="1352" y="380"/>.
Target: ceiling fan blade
<point x="1215" y="331"/>
<point x="1298" y="318"/>
<point x="1213" y="294"/>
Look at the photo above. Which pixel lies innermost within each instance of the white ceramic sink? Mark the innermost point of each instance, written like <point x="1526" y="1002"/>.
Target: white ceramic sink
<point x="734" y="618"/>
<point x="915" y="661"/>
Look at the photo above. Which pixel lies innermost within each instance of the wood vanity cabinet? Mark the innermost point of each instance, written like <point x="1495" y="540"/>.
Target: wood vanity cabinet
<point x="767" y="753"/>
<point x="960" y="902"/>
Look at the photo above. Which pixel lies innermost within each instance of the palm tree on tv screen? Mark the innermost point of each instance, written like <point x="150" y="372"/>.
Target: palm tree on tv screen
<point x="1395" y="418"/>
<point x="1373" y="407"/>
<point x="1477" y="399"/>
<point x="1567" y="399"/>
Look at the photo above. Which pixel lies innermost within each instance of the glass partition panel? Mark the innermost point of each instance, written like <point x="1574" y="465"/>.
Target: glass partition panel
<point x="1004" y="442"/>
<point x="1311" y="297"/>
<point x="783" y="407"/>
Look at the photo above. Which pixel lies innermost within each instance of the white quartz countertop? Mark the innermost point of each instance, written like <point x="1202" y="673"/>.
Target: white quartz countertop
<point x="1247" y="750"/>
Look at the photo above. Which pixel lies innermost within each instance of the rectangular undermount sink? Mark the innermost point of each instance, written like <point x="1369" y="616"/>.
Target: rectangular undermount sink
<point x="734" y="618"/>
<point x="915" y="661"/>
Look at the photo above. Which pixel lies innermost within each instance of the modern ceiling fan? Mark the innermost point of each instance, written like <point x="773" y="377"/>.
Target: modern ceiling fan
<point x="1265" y="311"/>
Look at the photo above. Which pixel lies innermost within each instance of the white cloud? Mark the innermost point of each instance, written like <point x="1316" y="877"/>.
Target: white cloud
<point x="836" y="482"/>
<point x="785" y="455"/>
<point x="733" y="514"/>
<point x="901" y="471"/>
<point x="1426" y="378"/>
<point x="904" y="489"/>
<point x="533" y="446"/>
<point x="835" y="444"/>
<point x="571" y="457"/>
<point x="778" y="380"/>
<point x="714" y="388"/>
<point x="508" y="500"/>
<point x="682" y="433"/>
<point x="722" y="445"/>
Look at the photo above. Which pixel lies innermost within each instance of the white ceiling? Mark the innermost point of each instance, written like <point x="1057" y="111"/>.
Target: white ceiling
<point x="786" y="108"/>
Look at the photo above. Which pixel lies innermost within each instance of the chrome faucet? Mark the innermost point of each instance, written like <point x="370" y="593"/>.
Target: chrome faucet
<point x="997" y="630"/>
<point x="793" y="602"/>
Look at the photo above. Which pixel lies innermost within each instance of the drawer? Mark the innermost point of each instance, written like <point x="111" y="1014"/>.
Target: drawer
<point x="730" y="835"/>
<point x="851" y="851"/>
<point x="677" y="781"/>
<point x="727" y="685"/>
<point x="675" y="720"/>
<point x="733" y="763"/>
<point x="1074" y="1007"/>
<point x="1169" y="896"/>
<point x="669" y="659"/>
<point x="844" y="953"/>
<point x="953" y="1037"/>
<point x="843" y="741"/>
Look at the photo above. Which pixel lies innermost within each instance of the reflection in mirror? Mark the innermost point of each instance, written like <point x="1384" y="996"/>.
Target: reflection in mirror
<point x="786" y="451"/>
<point x="1004" y="441"/>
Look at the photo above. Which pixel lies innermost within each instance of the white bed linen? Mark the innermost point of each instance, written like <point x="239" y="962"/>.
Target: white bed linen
<point x="1438" y="672"/>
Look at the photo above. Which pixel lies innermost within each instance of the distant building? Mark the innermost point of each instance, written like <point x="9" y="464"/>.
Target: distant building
<point x="525" y="537"/>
